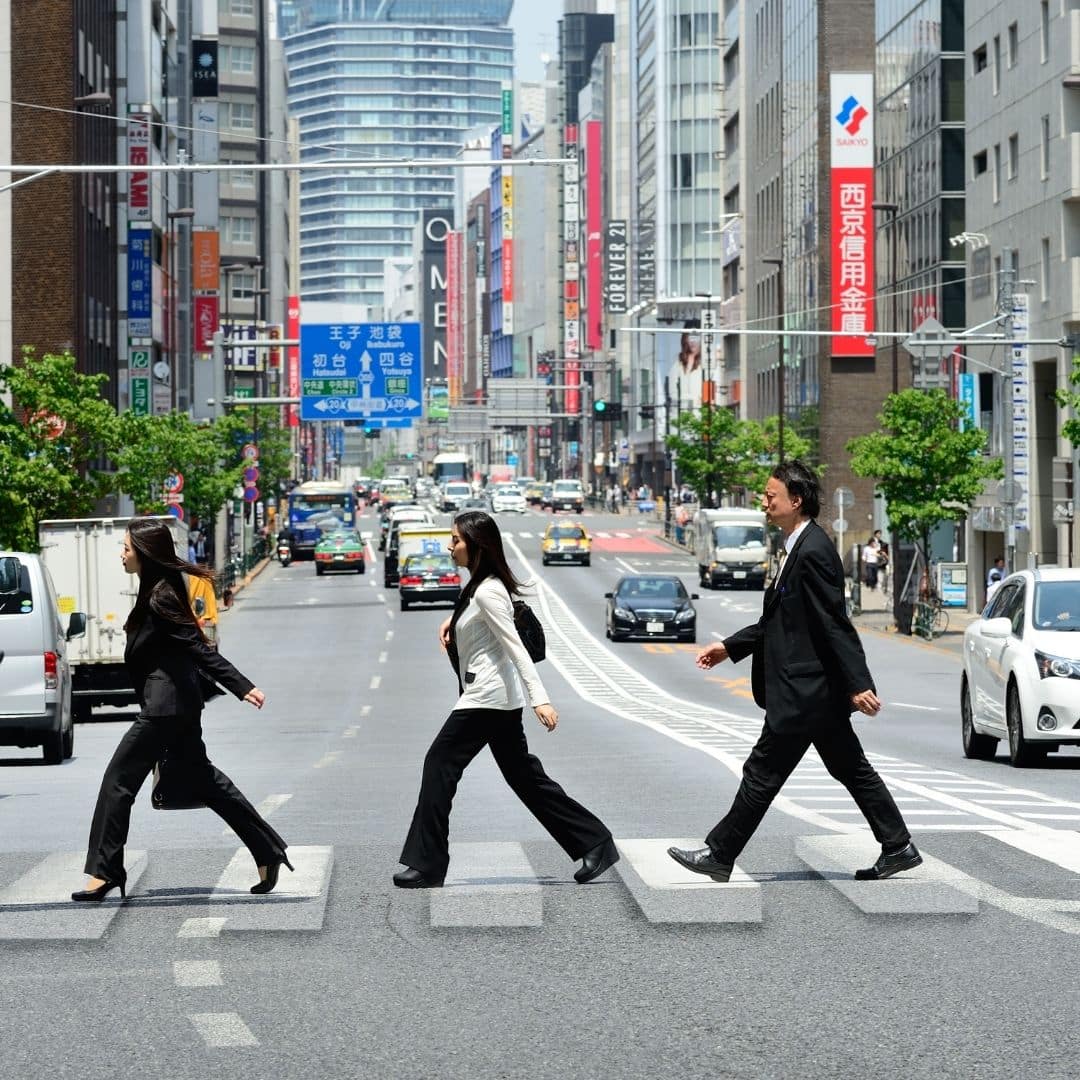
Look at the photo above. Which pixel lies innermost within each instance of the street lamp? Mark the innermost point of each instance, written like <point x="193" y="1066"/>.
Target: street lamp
<point x="781" y="406"/>
<point x="892" y="209"/>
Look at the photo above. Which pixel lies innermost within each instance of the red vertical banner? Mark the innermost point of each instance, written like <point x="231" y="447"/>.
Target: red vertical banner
<point x="594" y="232"/>
<point x="853" y="296"/>
<point x="206" y="321"/>
<point x="292" y="360"/>
<point x="454" y="247"/>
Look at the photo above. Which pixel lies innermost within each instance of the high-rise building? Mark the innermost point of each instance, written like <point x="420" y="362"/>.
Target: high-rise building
<point x="397" y="79"/>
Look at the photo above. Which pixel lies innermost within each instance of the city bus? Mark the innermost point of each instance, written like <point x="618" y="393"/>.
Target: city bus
<point x="314" y="504"/>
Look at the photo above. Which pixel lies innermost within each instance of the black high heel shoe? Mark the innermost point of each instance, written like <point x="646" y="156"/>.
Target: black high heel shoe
<point x="272" y="871"/>
<point x="95" y="896"/>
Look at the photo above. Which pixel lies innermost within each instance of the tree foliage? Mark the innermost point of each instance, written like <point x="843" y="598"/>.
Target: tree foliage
<point x="55" y="443"/>
<point x="927" y="469"/>
<point x="742" y="451"/>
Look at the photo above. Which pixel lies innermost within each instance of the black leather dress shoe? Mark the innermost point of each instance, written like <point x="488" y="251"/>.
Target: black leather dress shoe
<point x="702" y="861"/>
<point x="595" y="862"/>
<point x="905" y="859"/>
<point x="414" y="879"/>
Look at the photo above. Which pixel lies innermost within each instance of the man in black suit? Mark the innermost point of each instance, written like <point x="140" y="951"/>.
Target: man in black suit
<point x="809" y="674"/>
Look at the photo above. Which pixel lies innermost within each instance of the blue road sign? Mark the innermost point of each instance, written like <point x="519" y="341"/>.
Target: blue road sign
<point x="360" y="371"/>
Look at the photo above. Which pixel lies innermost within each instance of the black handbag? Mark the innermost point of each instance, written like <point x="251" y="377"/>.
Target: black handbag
<point x="174" y="783"/>
<point x="530" y="631"/>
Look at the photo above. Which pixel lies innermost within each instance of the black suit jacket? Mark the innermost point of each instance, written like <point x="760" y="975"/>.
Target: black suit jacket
<point x="807" y="657"/>
<point x="164" y="659"/>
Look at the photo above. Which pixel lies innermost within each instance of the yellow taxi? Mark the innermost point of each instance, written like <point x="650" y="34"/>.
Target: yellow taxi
<point x="534" y="493"/>
<point x="566" y="542"/>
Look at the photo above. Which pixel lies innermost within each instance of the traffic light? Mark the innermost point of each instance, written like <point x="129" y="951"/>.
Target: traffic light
<point x="606" y="411"/>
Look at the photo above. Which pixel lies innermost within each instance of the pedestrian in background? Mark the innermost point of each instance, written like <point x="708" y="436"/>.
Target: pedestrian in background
<point x="809" y="674"/>
<point x="994" y="577"/>
<point x="492" y="665"/>
<point x="870" y="562"/>
<point x="166" y="655"/>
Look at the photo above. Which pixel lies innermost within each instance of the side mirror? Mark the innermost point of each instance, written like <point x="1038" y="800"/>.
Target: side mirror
<point x="76" y="625"/>
<point x="609" y="595"/>
<point x="694" y="596"/>
<point x="997" y="628"/>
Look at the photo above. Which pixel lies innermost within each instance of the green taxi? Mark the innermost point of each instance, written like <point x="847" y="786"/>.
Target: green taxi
<point x="342" y="549"/>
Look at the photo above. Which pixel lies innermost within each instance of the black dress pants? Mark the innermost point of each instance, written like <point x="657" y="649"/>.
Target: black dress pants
<point x="463" y="736"/>
<point x="773" y="760"/>
<point x="134" y="760"/>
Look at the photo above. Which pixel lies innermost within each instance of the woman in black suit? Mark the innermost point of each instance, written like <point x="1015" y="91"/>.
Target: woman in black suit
<point x="167" y="656"/>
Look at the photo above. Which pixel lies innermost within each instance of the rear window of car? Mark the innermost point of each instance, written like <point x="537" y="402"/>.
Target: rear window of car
<point x="567" y="487"/>
<point x="459" y="489"/>
<point x="566" y="532"/>
<point x="16" y="594"/>
<point x="653" y="588"/>
<point x="416" y="564"/>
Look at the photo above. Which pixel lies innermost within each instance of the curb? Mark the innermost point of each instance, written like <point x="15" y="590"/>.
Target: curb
<point x="247" y="579"/>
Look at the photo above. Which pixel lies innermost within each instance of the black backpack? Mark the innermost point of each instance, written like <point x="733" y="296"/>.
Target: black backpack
<point x="530" y="631"/>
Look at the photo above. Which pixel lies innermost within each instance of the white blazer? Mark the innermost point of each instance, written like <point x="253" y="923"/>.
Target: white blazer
<point x="491" y="659"/>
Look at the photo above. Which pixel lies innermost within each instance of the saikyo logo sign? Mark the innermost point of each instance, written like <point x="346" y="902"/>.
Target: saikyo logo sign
<point x="851" y="116"/>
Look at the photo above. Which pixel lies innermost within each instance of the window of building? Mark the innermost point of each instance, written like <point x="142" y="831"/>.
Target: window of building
<point x="242" y="116"/>
<point x="238" y="230"/>
<point x="1014" y="44"/>
<point x="1044" y="266"/>
<point x="952" y="90"/>
<point x="952" y="159"/>
<point x="1044" y="30"/>
<point x="1014" y="157"/>
<point x="682" y="171"/>
<point x="1044" y="146"/>
<point x="239" y="59"/>
<point x="241" y="7"/>
<point x="978" y="163"/>
<point x="978" y="59"/>
<point x="242" y="178"/>
<point x="242" y="285"/>
<point x="997" y="172"/>
<point x="996" y="63"/>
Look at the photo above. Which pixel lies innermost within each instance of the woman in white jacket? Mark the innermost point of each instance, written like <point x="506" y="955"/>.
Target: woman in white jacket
<point x="492" y="667"/>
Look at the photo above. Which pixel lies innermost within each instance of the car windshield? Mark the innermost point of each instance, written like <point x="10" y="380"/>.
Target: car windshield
<point x="419" y="564"/>
<point x="567" y="485"/>
<point x="1057" y="605"/>
<point x="512" y="491"/>
<point x="649" y="588"/>
<point x="739" y="536"/>
<point x="342" y="537"/>
<point x="565" y="532"/>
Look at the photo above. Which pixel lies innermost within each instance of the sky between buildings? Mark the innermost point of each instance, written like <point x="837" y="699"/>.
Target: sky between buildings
<point x="535" y="24"/>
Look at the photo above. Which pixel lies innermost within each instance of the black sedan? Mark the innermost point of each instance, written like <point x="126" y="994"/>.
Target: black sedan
<point x="649" y="606"/>
<point x="429" y="579"/>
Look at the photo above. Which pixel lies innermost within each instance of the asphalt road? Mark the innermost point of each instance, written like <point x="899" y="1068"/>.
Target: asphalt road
<point x="968" y="968"/>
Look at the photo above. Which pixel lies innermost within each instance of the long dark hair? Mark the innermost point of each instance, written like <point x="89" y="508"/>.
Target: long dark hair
<point x="161" y="586"/>
<point x="483" y="541"/>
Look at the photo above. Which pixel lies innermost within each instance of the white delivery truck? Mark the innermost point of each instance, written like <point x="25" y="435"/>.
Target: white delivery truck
<point x="731" y="546"/>
<point x="83" y="558"/>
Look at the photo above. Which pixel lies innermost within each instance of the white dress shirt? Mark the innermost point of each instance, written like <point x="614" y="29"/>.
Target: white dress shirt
<point x="789" y="543"/>
<point x="493" y="663"/>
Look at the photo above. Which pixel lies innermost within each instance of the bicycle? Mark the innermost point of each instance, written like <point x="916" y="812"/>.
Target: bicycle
<point x="931" y="618"/>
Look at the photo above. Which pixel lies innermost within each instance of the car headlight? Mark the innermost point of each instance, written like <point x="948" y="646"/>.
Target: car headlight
<point x="685" y="615"/>
<point x="623" y="613"/>
<point x="1058" y="666"/>
<point x="719" y="566"/>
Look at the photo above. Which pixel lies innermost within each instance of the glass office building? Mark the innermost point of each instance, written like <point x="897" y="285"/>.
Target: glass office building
<point x="370" y="79"/>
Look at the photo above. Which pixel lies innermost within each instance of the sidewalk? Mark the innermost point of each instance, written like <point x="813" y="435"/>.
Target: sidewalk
<point x="877" y="615"/>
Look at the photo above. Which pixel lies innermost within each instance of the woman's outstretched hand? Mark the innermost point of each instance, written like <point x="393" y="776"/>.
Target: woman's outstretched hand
<point x="547" y="715"/>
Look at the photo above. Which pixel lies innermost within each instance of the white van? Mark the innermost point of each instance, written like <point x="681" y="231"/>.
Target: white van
<point x="731" y="547"/>
<point x="35" y="676"/>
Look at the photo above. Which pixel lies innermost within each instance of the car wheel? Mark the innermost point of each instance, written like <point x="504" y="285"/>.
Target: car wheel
<point x="81" y="712"/>
<point x="1021" y="752"/>
<point x="979" y="747"/>
<point x="404" y="604"/>
<point x="319" y="570"/>
<point x="69" y="739"/>
<point x="53" y="748"/>
<point x="587" y="561"/>
<point x="360" y="568"/>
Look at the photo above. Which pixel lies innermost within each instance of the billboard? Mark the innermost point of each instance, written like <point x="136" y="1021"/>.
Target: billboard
<point x="852" y="197"/>
<point x="436" y="225"/>
<point x="292" y="360"/>
<point x="571" y="269"/>
<point x="685" y="377"/>
<point x="140" y="311"/>
<point x="138" y="138"/>
<point x="205" y="260"/>
<point x="594" y="237"/>
<point x="616" y="250"/>
<point x="455" y="244"/>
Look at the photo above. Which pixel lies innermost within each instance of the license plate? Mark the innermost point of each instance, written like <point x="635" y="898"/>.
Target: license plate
<point x="339" y="558"/>
<point x="739" y="575"/>
<point x="430" y="584"/>
<point x="654" y="628"/>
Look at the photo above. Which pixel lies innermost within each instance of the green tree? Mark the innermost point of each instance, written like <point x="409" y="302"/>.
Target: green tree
<point x="742" y="451"/>
<point x="274" y="441"/>
<point x="55" y="443"/>
<point x="156" y="447"/>
<point x="928" y="470"/>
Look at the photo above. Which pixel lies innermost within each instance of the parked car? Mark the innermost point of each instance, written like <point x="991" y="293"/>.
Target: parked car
<point x="341" y="550"/>
<point x="566" y="543"/>
<point x="651" y="606"/>
<point x="429" y="579"/>
<point x="1021" y="678"/>
<point x="507" y="497"/>
<point x="35" y="675"/>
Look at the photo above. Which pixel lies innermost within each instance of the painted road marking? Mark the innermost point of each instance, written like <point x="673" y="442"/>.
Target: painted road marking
<point x="201" y="928"/>
<point x="265" y="808"/>
<point x="490" y="884"/>
<point x="190" y="973"/>
<point x="669" y="893"/>
<point x="223" y="1029"/>
<point x="1061" y="847"/>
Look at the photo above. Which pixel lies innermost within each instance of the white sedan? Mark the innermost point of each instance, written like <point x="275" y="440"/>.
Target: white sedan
<point x="508" y="498"/>
<point x="1021" y="679"/>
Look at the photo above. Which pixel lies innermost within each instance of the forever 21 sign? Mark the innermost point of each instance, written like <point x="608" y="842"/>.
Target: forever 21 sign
<point x="615" y="255"/>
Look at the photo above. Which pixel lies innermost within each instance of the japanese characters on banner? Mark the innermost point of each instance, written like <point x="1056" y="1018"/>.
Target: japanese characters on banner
<point x="1021" y="399"/>
<point x="852" y="197"/>
<point x="507" y="254"/>
<point x="594" y="233"/>
<point x="292" y="360"/>
<point x="138" y="137"/>
<point x="571" y="269"/>
<point x="454" y="249"/>
<point x="139" y="283"/>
